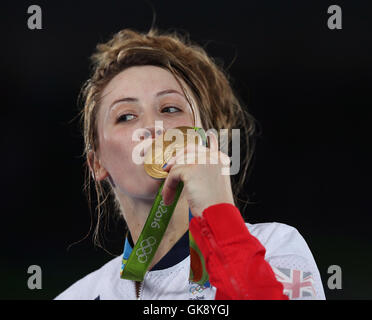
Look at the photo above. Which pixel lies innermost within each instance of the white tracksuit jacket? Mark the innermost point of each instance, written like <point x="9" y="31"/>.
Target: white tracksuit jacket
<point x="286" y="252"/>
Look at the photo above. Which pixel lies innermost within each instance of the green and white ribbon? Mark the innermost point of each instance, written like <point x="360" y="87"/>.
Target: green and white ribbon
<point x="136" y="261"/>
<point x="152" y="234"/>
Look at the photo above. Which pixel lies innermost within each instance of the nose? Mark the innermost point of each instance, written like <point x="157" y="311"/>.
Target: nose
<point x="154" y="131"/>
<point x="151" y="132"/>
<point x="148" y="135"/>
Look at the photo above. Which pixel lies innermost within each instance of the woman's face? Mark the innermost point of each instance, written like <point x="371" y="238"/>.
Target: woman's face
<point x="131" y="103"/>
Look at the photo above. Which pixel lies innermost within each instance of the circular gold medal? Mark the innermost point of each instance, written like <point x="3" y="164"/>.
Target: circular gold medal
<point x="164" y="147"/>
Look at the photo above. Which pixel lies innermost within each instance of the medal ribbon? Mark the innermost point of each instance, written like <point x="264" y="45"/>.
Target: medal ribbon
<point x="136" y="261"/>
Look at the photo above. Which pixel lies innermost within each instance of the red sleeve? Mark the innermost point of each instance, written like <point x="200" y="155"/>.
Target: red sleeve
<point x="234" y="258"/>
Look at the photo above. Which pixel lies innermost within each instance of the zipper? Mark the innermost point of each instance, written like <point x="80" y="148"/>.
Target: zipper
<point x="140" y="288"/>
<point x="206" y="233"/>
<point x="212" y="241"/>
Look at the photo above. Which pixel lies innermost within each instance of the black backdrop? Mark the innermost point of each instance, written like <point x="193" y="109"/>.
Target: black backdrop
<point x="308" y="86"/>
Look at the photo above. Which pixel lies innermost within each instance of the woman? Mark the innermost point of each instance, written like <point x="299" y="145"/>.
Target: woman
<point x="141" y="80"/>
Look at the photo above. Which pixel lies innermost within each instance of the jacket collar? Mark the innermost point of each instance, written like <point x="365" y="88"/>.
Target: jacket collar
<point x="175" y="255"/>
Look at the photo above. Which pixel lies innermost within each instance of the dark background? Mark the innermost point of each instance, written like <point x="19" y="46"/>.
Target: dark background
<point x="308" y="86"/>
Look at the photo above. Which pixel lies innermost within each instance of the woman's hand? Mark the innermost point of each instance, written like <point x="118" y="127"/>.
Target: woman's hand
<point x="204" y="184"/>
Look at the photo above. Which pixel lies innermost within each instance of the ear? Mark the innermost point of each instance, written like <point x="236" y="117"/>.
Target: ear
<point x="98" y="171"/>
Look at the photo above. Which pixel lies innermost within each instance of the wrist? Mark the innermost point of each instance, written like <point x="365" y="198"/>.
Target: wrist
<point x="213" y="206"/>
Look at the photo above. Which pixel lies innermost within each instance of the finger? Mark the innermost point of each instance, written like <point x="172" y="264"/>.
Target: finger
<point x="190" y="155"/>
<point x="170" y="185"/>
<point x="213" y="142"/>
<point x="177" y="159"/>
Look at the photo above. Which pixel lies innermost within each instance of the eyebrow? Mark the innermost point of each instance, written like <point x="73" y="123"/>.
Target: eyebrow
<point x="159" y="94"/>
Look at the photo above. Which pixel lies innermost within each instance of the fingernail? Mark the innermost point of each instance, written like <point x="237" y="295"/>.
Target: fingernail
<point x="164" y="166"/>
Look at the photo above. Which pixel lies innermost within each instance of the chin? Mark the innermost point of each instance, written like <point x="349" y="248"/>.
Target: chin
<point x="145" y="190"/>
<point x="152" y="187"/>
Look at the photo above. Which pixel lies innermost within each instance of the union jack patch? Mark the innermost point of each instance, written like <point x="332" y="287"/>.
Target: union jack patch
<point x="296" y="283"/>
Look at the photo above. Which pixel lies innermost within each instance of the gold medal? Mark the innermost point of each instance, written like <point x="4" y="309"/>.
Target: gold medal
<point x="164" y="147"/>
